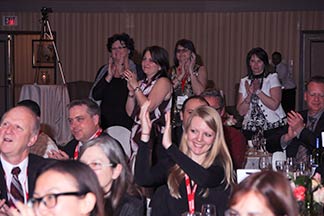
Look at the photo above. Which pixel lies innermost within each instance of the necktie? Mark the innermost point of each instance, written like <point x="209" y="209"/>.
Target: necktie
<point x="302" y="152"/>
<point x="16" y="189"/>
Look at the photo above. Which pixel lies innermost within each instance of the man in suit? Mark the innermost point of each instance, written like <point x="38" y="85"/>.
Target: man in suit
<point x="84" y="119"/>
<point x="18" y="132"/>
<point x="304" y="127"/>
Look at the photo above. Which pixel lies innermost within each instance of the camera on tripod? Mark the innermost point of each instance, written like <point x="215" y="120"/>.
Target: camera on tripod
<point x="45" y="12"/>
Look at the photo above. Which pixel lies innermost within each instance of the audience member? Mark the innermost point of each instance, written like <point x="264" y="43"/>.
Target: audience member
<point x="84" y="119"/>
<point x="110" y="87"/>
<point x="107" y="159"/>
<point x="44" y="144"/>
<point x="299" y="138"/>
<point x="188" y="106"/>
<point x="260" y="96"/>
<point x="188" y="77"/>
<point x="235" y="140"/>
<point x="18" y="132"/>
<point x="156" y="87"/>
<point x="202" y="164"/>
<point x="288" y="99"/>
<point x="263" y="193"/>
<point x="65" y="188"/>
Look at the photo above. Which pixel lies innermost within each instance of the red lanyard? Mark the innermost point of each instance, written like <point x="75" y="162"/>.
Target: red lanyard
<point x="190" y="194"/>
<point x="77" y="148"/>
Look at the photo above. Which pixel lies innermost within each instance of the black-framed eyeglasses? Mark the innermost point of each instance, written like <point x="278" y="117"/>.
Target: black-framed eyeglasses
<point x="50" y="200"/>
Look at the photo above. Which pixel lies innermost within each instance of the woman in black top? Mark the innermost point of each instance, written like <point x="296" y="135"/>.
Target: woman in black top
<point x="201" y="163"/>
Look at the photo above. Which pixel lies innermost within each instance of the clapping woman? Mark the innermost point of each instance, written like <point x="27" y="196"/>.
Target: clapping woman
<point x="109" y="87"/>
<point x="259" y="99"/>
<point x="199" y="171"/>
<point x="156" y="87"/>
<point x="188" y="77"/>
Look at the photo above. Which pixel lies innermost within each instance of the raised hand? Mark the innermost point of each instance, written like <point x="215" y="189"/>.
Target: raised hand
<point x="145" y="120"/>
<point x="295" y="121"/>
<point x="166" y="140"/>
<point x="131" y="78"/>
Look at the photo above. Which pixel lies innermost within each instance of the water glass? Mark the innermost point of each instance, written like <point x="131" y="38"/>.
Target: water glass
<point x="208" y="210"/>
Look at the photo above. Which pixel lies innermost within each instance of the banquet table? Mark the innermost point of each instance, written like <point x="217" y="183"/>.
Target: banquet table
<point x="53" y="101"/>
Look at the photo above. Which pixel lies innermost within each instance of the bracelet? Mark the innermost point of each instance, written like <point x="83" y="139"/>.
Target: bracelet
<point x="147" y="134"/>
<point x="137" y="89"/>
<point x="131" y="96"/>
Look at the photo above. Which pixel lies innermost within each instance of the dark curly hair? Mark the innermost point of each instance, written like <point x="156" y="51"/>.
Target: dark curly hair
<point x="125" y="38"/>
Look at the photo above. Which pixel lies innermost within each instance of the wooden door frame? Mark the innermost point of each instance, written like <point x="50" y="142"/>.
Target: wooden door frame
<point x="306" y="38"/>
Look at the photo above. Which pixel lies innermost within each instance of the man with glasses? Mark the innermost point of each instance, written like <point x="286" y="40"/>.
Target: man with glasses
<point x="235" y="140"/>
<point x="18" y="132"/>
<point x="299" y="138"/>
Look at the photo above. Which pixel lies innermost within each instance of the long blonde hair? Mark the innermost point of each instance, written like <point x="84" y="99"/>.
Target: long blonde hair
<point x="218" y="149"/>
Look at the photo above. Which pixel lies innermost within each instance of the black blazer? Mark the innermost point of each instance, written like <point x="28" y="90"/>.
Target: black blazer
<point x="35" y="163"/>
<point x="307" y="138"/>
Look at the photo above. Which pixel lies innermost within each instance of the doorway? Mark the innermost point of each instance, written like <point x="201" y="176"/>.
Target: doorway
<point x="311" y="64"/>
<point x="16" y="66"/>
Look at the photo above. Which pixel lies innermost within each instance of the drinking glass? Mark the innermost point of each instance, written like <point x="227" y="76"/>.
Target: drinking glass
<point x="208" y="210"/>
<point x="280" y="165"/>
<point x="264" y="163"/>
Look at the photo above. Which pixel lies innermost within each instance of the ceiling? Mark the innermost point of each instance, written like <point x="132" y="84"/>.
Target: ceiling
<point x="160" y="5"/>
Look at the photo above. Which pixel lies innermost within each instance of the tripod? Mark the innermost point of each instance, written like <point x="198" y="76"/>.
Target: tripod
<point x="46" y="34"/>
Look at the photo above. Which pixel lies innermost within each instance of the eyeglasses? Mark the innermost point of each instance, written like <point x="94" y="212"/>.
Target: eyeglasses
<point x="97" y="165"/>
<point x="50" y="200"/>
<point x="232" y="212"/>
<point x="182" y="50"/>
<point x="118" y="48"/>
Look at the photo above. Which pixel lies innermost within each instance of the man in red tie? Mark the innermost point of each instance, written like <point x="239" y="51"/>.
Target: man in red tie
<point x="18" y="132"/>
<point x="84" y="119"/>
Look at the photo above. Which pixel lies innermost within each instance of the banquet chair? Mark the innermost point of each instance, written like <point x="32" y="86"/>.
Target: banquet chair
<point x="278" y="156"/>
<point x="122" y="135"/>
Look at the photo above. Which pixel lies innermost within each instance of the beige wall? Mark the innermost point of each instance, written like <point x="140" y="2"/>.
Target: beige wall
<point x="221" y="38"/>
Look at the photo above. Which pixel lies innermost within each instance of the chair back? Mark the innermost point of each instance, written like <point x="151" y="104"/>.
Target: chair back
<point x="276" y="156"/>
<point x="241" y="174"/>
<point x="122" y="135"/>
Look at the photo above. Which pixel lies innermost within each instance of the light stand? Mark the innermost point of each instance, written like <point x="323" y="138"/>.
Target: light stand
<point x="46" y="34"/>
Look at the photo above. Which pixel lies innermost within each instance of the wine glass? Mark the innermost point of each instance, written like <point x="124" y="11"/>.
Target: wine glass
<point x="280" y="164"/>
<point x="264" y="163"/>
<point x="208" y="210"/>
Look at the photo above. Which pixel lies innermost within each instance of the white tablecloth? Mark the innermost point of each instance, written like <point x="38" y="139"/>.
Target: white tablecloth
<point x="53" y="101"/>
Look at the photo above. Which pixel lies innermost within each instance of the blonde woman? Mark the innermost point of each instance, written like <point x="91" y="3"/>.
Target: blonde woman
<point x="199" y="172"/>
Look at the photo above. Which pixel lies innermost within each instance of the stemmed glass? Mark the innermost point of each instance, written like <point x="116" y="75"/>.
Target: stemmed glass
<point x="208" y="210"/>
<point x="265" y="163"/>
